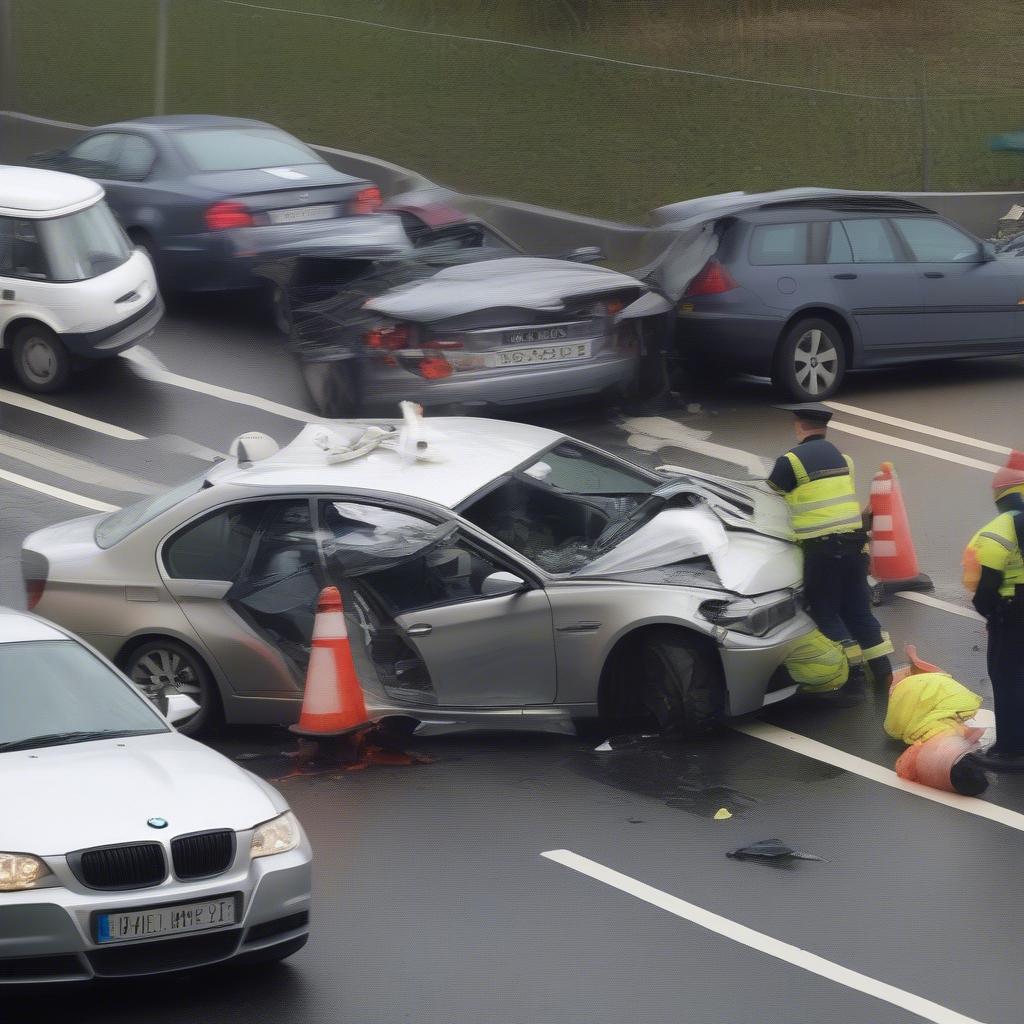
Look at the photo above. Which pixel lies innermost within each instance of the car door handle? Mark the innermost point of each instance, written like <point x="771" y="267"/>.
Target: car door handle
<point x="420" y="629"/>
<point x="845" y="277"/>
<point x="933" y="273"/>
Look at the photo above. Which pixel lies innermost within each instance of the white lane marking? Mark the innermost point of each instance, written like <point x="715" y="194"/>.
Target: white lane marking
<point x="57" y="492"/>
<point x="767" y="944"/>
<point x="807" y="747"/>
<point x="53" y="411"/>
<point x="934" y="602"/>
<point x="82" y="470"/>
<point x="652" y="433"/>
<point x="148" y="366"/>
<point x="913" y="446"/>
<point x="919" y="428"/>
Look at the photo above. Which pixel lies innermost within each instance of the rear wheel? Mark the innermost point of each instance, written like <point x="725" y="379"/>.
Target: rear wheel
<point x="41" y="361"/>
<point x="810" y="362"/>
<point x="162" y="667"/>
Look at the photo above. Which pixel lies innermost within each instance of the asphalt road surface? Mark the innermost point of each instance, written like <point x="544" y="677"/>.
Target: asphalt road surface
<point x="435" y="901"/>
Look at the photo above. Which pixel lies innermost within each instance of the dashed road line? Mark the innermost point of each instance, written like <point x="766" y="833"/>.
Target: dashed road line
<point x="57" y="492"/>
<point x="30" y="404"/>
<point x="767" y="944"/>
<point x="807" y="747"/>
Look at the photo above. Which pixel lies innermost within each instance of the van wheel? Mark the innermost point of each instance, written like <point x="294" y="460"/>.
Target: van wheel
<point x="162" y="667"/>
<point x="41" y="362"/>
<point x="810" y="361"/>
<point x="681" y="683"/>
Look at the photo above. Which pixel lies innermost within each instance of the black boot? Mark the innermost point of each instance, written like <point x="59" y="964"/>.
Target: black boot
<point x="995" y="760"/>
<point x="881" y="671"/>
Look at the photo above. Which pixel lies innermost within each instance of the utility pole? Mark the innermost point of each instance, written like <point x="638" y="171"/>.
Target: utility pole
<point x="160" y="64"/>
<point x="8" y="71"/>
<point x="926" y="156"/>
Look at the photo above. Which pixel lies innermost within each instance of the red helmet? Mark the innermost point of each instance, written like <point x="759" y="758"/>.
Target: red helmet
<point x="1011" y="475"/>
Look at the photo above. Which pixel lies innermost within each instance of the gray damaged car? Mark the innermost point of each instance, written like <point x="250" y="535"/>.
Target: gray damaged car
<point x="494" y="574"/>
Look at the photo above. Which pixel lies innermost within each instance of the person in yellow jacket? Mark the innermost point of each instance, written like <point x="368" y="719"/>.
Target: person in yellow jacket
<point x="816" y="479"/>
<point x="994" y="572"/>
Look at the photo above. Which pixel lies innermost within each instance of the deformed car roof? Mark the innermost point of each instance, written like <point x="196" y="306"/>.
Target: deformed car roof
<point x="472" y="452"/>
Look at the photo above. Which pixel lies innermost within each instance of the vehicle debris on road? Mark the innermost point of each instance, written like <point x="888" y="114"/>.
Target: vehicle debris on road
<point x="771" y="849"/>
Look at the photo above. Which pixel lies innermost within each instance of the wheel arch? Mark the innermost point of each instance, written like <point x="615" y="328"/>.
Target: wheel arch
<point x="134" y="642"/>
<point x="11" y="328"/>
<point x="623" y="656"/>
<point x="838" y="318"/>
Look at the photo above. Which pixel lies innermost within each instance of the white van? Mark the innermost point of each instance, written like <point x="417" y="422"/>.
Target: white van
<point x="71" y="285"/>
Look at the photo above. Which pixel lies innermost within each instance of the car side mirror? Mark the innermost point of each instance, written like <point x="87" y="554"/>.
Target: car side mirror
<point x="986" y="252"/>
<point x="499" y="583"/>
<point x="179" y="707"/>
<point x="585" y="254"/>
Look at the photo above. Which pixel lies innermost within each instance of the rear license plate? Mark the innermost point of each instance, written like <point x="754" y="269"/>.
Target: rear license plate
<point x="540" y="354"/>
<point x="176" y="919"/>
<point x="299" y="213"/>
<point x="535" y="335"/>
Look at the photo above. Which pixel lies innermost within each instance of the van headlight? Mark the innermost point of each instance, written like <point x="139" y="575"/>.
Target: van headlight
<point x="20" y="871"/>
<point x="753" y="618"/>
<point x="279" y="835"/>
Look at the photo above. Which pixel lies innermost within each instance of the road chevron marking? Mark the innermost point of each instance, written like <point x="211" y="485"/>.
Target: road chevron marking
<point x="767" y="944"/>
<point x="807" y="747"/>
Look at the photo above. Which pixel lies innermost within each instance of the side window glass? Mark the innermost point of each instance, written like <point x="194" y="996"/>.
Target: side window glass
<point x="839" y="250"/>
<point x="96" y="155"/>
<point x="135" y="160"/>
<point x="400" y="562"/>
<point x="777" y="245"/>
<point x="215" y="547"/>
<point x="935" y="241"/>
<point x="870" y="241"/>
<point x="21" y="254"/>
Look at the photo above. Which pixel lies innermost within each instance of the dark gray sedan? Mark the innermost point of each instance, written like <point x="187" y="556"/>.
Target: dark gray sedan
<point x="201" y="194"/>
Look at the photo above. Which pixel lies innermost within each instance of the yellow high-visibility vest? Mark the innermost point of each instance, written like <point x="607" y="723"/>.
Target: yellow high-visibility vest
<point x="823" y="502"/>
<point x="995" y="546"/>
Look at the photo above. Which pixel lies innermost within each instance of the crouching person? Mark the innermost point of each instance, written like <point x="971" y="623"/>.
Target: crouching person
<point x="930" y="711"/>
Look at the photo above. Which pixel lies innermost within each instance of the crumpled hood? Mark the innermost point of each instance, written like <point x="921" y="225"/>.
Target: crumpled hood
<point x="543" y="285"/>
<point x="65" y="798"/>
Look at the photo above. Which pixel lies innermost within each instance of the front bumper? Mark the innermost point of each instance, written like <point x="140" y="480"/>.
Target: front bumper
<point x="117" y="337"/>
<point x="751" y="662"/>
<point x="46" y="934"/>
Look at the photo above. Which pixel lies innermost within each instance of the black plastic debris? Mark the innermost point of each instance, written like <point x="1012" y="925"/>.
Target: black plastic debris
<point x="770" y="849"/>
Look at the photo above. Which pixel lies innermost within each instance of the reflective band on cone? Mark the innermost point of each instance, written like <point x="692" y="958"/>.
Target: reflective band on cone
<point x="893" y="559"/>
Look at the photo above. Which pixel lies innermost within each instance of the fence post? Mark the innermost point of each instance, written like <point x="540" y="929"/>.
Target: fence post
<point x="926" y="156"/>
<point x="160" y="64"/>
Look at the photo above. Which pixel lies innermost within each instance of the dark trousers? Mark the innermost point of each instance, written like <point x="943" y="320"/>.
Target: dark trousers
<point x="1006" y="670"/>
<point x="836" y="588"/>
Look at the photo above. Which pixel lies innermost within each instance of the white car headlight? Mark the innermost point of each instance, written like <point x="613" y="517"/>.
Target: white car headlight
<point x="20" y="871"/>
<point x="279" y="835"/>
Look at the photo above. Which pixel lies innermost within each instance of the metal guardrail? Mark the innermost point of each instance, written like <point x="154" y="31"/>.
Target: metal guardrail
<point x="537" y="229"/>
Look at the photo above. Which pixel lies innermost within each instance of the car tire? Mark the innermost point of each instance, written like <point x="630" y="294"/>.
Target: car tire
<point x="681" y="683"/>
<point x="157" y="666"/>
<point x="280" y="309"/>
<point x="810" y="362"/>
<point x="41" y="361"/>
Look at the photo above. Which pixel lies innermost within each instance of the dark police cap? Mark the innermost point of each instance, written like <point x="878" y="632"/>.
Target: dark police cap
<point x="809" y="411"/>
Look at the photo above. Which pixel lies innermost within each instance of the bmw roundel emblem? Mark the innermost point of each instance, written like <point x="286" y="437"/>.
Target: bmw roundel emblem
<point x="157" y="823"/>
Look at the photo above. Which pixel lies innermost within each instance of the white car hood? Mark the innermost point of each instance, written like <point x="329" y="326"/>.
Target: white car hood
<point x="64" y="798"/>
<point x="746" y="563"/>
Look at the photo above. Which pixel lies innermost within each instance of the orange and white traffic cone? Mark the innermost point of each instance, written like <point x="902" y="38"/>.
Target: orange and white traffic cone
<point x="333" y="704"/>
<point x="893" y="558"/>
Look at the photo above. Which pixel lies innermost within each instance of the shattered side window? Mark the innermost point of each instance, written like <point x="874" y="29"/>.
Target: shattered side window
<point x="577" y="470"/>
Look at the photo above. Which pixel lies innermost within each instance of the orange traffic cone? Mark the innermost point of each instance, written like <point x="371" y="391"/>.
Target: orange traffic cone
<point x="333" y="704"/>
<point x="893" y="559"/>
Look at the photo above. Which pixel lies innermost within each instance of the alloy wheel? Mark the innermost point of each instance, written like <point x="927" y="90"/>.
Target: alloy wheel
<point x="815" y="361"/>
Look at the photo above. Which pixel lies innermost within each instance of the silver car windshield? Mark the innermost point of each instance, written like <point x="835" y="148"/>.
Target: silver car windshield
<point x="83" y="245"/>
<point x="125" y="521"/>
<point x="54" y="692"/>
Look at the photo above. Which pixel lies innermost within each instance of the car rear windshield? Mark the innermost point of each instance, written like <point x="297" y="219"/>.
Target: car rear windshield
<point x="241" y="149"/>
<point x="125" y="521"/>
<point x="54" y="688"/>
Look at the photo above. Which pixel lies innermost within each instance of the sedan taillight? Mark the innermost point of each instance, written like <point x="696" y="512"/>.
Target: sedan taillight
<point x="367" y="200"/>
<point x="228" y="214"/>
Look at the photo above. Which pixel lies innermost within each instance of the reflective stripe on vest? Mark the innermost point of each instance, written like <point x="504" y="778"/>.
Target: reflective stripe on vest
<point x="825" y="504"/>
<point x="995" y="546"/>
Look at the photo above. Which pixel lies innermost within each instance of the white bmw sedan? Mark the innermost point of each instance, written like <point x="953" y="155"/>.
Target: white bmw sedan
<point x="125" y="848"/>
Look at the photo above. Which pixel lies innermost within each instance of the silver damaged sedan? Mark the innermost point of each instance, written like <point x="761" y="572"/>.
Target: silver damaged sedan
<point x="125" y="848"/>
<point x="511" y="577"/>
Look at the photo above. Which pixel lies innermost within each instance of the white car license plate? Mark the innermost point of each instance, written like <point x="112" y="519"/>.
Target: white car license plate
<point x="540" y="354"/>
<point x="152" y="922"/>
<point x="300" y="213"/>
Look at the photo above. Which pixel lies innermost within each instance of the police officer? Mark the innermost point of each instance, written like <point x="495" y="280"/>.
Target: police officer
<point x="816" y="480"/>
<point x="994" y="571"/>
